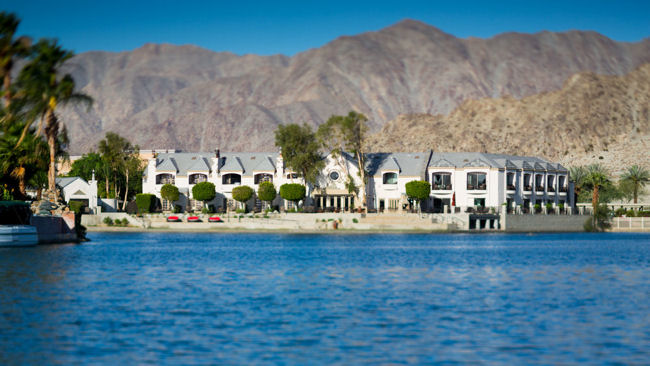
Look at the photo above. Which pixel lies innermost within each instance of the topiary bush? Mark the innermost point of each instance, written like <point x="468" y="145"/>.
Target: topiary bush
<point x="108" y="221"/>
<point x="76" y="207"/>
<point x="146" y="202"/>
<point x="169" y="192"/>
<point x="242" y="193"/>
<point x="266" y="192"/>
<point x="293" y="192"/>
<point x="418" y="190"/>
<point x="204" y="191"/>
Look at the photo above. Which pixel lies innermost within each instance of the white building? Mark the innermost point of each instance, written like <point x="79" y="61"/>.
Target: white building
<point x="225" y="170"/>
<point x="78" y="189"/>
<point x="460" y="181"/>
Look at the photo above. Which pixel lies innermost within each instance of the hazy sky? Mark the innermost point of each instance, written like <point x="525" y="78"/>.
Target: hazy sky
<point x="288" y="27"/>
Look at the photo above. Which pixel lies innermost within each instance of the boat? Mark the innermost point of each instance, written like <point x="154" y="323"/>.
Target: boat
<point x="215" y="219"/>
<point x="15" y="228"/>
<point x="193" y="219"/>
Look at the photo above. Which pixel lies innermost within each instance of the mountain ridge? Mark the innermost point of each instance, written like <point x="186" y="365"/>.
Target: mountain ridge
<point x="187" y="97"/>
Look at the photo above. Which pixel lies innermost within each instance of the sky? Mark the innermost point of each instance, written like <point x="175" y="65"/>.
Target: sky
<point x="289" y="27"/>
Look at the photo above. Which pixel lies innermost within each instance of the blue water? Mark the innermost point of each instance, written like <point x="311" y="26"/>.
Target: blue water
<point x="162" y="298"/>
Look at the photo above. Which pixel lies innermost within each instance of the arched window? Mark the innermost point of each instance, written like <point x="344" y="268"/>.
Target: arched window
<point x="197" y="178"/>
<point x="165" y="179"/>
<point x="390" y="178"/>
<point x="263" y="177"/>
<point x="441" y="181"/>
<point x="231" y="179"/>
<point x="476" y="181"/>
<point x="510" y="181"/>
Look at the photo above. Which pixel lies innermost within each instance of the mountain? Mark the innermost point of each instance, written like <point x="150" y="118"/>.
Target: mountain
<point x="164" y="96"/>
<point x="593" y="118"/>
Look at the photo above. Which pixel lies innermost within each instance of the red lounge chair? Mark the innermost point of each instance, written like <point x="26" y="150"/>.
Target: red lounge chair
<point x="193" y="219"/>
<point x="215" y="219"/>
<point x="173" y="219"/>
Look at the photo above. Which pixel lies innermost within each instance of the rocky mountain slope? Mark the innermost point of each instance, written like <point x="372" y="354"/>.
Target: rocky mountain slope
<point x="164" y="96"/>
<point x="593" y="118"/>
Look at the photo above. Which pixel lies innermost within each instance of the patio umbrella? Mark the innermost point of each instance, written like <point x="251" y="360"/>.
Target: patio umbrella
<point x="453" y="200"/>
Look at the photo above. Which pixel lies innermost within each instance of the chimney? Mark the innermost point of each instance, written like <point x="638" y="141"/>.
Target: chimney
<point x="217" y="154"/>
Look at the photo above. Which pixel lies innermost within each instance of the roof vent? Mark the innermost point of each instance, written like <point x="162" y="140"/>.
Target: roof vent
<point x="252" y="158"/>
<point x="417" y="156"/>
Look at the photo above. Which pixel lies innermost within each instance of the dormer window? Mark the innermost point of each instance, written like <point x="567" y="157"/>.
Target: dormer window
<point x="197" y="178"/>
<point x="263" y="177"/>
<point x="231" y="179"/>
<point x="165" y="179"/>
<point x="389" y="178"/>
<point x="441" y="181"/>
<point x="334" y="175"/>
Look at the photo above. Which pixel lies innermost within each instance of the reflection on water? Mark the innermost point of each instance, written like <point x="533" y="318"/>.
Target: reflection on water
<point x="304" y="299"/>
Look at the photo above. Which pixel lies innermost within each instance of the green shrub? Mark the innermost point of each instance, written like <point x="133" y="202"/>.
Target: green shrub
<point x="108" y="221"/>
<point x="599" y="221"/>
<point x="76" y="207"/>
<point x="549" y="206"/>
<point x="242" y="193"/>
<point x="125" y="222"/>
<point x="418" y="190"/>
<point x="266" y="216"/>
<point x="178" y="209"/>
<point x="328" y="220"/>
<point x="240" y="210"/>
<point x="355" y="220"/>
<point x="266" y="192"/>
<point x="204" y="192"/>
<point x="293" y="192"/>
<point x="620" y="212"/>
<point x="169" y="192"/>
<point x="146" y="202"/>
<point x="118" y="222"/>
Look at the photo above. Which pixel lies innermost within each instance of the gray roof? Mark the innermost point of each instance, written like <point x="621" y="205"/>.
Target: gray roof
<point x="244" y="162"/>
<point x="64" y="181"/>
<point x="408" y="164"/>
<point x="500" y="161"/>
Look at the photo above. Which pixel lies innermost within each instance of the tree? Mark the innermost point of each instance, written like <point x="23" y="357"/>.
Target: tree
<point x="596" y="178"/>
<point x="418" y="190"/>
<point x="242" y="193"/>
<point x="293" y="192"/>
<point x="11" y="48"/>
<point x="204" y="192"/>
<point x="46" y="91"/>
<point x="22" y="161"/>
<point x="300" y="150"/>
<point x="86" y="165"/>
<point x="170" y="192"/>
<point x="349" y="133"/>
<point x="577" y="174"/>
<point x="637" y="177"/>
<point x="266" y="192"/>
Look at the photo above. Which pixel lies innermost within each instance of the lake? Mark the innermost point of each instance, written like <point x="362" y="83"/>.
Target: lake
<point x="167" y="298"/>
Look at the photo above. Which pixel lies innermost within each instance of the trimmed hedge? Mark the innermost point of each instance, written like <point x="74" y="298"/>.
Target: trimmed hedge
<point x="293" y="192"/>
<point x="146" y="202"/>
<point x="242" y="193"/>
<point x="204" y="191"/>
<point x="76" y="207"/>
<point x="266" y="192"/>
<point x="418" y="190"/>
<point x="169" y="192"/>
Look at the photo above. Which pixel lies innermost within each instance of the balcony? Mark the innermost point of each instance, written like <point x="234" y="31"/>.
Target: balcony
<point x="441" y="187"/>
<point x="563" y="190"/>
<point x="539" y="189"/>
<point x="528" y="188"/>
<point x="511" y="187"/>
<point x="476" y="187"/>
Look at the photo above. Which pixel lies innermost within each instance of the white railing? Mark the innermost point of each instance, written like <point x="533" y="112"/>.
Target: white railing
<point x="631" y="223"/>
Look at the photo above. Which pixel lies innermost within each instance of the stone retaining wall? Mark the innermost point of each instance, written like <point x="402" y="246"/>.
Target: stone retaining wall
<point x="544" y="223"/>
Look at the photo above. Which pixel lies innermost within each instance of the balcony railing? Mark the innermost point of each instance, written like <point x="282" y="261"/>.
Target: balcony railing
<point x="551" y="189"/>
<point x="528" y="188"/>
<point x="539" y="188"/>
<point x="441" y="187"/>
<point x="563" y="189"/>
<point x="511" y="187"/>
<point x="476" y="187"/>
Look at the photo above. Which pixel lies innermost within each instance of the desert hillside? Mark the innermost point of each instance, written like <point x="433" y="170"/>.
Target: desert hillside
<point x="593" y="118"/>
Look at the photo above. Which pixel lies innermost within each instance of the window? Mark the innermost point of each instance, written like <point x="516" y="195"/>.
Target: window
<point x="550" y="179"/>
<point x="441" y="181"/>
<point x="263" y="177"/>
<point x="167" y="205"/>
<point x="510" y="181"/>
<point x="562" y="183"/>
<point x="476" y="181"/>
<point x="231" y="179"/>
<point x="539" y="183"/>
<point x="197" y="178"/>
<point x="165" y="179"/>
<point x="527" y="184"/>
<point x="334" y="175"/>
<point x="390" y="178"/>
<point x="292" y="176"/>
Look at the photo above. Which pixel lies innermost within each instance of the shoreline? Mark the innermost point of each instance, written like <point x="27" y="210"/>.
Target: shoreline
<point x="133" y="229"/>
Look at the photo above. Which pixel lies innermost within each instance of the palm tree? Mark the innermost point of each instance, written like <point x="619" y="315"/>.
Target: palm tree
<point x="21" y="161"/>
<point x="46" y="91"/>
<point x="597" y="177"/>
<point x="638" y="177"/>
<point x="10" y="49"/>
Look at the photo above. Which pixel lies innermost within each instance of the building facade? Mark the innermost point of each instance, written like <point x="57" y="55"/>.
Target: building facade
<point x="459" y="181"/>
